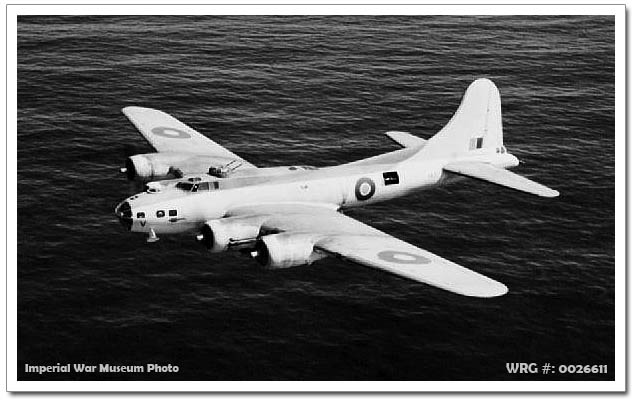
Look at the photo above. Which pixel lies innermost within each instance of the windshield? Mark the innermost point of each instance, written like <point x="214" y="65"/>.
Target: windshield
<point x="197" y="187"/>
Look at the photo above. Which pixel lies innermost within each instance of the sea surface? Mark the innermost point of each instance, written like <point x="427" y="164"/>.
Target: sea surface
<point x="319" y="91"/>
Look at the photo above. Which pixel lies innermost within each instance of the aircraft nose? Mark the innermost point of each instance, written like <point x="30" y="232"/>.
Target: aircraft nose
<point x="124" y="212"/>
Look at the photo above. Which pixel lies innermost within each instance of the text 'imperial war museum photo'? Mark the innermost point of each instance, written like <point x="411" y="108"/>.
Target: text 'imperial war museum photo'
<point x="343" y="198"/>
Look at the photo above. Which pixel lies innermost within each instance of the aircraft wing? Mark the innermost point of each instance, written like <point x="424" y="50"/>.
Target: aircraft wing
<point x="167" y="134"/>
<point x="500" y="176"/>
<point x="347" y="238"/>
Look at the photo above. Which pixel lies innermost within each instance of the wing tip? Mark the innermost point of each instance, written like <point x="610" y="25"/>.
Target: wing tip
<point x="501" y="290"/>
<point x="135" y="110"/>
<point x="545" y="191"/>
<point x="496" y="289"/>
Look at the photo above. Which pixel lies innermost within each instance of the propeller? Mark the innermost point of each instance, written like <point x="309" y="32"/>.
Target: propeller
<point x="128" y="151"/>
<point x="128" y="169"/>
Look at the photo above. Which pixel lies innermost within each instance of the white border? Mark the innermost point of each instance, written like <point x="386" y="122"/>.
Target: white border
<point x="337" y="386"/>
<point x="312" y="9"/>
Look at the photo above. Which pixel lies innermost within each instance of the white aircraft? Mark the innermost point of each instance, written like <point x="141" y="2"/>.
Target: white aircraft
<point x="291" y="216"/>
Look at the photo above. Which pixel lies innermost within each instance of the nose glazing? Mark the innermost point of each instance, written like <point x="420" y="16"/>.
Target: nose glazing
<point x="124" y="213"/>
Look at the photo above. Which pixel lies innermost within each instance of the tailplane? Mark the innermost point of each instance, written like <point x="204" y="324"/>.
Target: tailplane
<point x="472" y="144"/>
<point x="476" y="125"/>
<point x="500" y="176"/>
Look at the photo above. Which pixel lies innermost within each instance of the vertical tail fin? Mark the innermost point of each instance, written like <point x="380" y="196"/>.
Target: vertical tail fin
<point x="476" y="125"/>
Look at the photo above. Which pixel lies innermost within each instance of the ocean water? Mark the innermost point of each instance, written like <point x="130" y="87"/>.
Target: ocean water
<point x="321" y="91"/>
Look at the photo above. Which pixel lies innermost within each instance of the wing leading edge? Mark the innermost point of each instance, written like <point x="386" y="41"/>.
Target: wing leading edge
<point x="342" y="236"/>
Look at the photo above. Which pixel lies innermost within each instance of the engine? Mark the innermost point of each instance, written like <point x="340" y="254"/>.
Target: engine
<point x="285" y="250"/>
<point x="155" y="166"/>
<point x="220" y="234"/>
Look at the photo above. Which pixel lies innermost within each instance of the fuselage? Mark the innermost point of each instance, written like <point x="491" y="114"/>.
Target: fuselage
<point x="362" y="182"/>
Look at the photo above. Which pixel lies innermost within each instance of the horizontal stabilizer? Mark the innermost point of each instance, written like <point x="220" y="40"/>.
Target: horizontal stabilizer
<point x="405" y="139"/>
<point x="500" y="176"/>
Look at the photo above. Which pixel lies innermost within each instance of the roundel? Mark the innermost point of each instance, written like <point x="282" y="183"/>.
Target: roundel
<point x="171" y="133"/>
<point x="364" y="189"/>
<point x="402" y="257"/>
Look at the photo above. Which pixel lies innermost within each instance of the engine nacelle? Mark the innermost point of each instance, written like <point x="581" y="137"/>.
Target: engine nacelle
<point x="138" y="167"/>
<point x="220" y="234"/>
<point x="285" y="250"/>
<point x="156" y="166"/>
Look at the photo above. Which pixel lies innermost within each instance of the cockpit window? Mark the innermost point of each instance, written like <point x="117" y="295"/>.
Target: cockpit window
<point x="140" y="215"/>
<point x="197" y="187"/>
<point x="185" y="186"/>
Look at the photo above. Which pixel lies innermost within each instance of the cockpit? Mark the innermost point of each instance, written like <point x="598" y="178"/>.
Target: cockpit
<point x="197" y="186"/>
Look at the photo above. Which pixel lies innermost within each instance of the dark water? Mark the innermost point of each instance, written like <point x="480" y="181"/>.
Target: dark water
<point x="321" y="91"/>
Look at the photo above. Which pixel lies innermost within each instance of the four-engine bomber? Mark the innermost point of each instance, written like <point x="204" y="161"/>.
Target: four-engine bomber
<point x="291" y="216"/>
